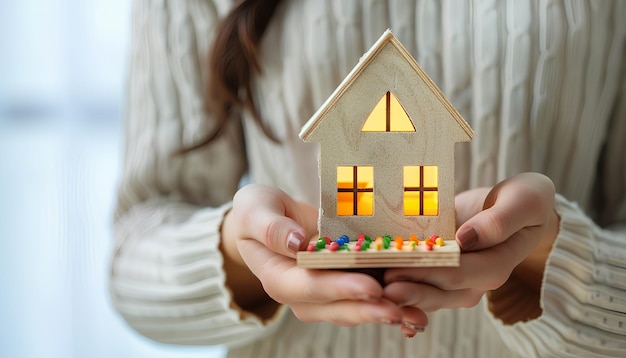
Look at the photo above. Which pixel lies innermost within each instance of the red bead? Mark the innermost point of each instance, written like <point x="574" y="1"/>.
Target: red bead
<point x="311" y="248"/>
<point x="327" y="240"/>
<point x="333" y="246"/>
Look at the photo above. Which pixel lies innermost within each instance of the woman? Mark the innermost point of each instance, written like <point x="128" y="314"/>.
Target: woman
<point x="198" y="261"/>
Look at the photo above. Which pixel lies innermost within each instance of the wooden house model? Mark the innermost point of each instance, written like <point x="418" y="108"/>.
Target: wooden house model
<point x="386" y="165"/>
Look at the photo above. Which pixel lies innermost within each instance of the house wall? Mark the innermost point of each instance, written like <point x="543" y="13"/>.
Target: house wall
<point x="388" y="216"/>
<point x="343" y="143"/>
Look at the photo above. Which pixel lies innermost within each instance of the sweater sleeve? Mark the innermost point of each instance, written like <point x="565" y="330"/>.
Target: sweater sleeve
<point x="583" y="295"/>
<point x="166" y="275"/>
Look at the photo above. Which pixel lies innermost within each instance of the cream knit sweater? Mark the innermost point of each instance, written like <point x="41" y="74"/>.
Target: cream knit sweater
<point x="543" y="84"/>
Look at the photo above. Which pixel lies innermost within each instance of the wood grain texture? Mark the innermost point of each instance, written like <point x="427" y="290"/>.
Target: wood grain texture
<point x="441" y="256"/>
<point x="387" y="66"/>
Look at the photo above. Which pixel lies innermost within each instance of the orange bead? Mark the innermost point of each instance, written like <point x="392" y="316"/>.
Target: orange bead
<point x="399" y="242"/>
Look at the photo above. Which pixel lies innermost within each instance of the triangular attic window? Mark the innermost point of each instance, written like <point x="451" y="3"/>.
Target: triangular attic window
<point x="388" y="116"/>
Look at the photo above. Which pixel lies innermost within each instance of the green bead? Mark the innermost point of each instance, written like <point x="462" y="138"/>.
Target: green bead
<point x="386" y="241"/>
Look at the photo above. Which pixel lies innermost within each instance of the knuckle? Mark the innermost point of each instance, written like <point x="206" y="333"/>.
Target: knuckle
<point x="497" y="282"/>
<point x="302" y="314"/>
<point x="455" y="280"/>
<point x="343" y="322"/>
<point x="499" y="222"/>
<point x="308" y="293"/>
<point x="269" y="234"/>
<point x="271" y="287"/>
<point x="472" y="299"/>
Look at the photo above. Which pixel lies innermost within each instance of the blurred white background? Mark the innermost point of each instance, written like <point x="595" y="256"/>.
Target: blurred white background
<point x="62" y="74"/>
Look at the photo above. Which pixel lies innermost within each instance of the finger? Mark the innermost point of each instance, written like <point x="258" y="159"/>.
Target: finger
<point x="520" y="201"/>
<point x="429" y="298"/>
<point x="414" y="321"/>
<point x="287" y="283"/>
<point x="269" y="215"/>
<point x="307" y="216"/>
<point x="485" y="269"/>
<point x="468" y="203"/>
<point x="350" y="313"/>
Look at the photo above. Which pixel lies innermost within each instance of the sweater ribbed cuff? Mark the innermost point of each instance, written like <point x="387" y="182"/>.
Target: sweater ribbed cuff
<point x="582" y="294"/>
<point x="167" y="278"/>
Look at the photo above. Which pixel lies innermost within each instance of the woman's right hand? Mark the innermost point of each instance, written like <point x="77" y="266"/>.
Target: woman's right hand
<point x="263" y="232"/>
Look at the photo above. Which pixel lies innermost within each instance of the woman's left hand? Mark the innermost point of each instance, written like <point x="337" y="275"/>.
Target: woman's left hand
<point x="512" y="225"/>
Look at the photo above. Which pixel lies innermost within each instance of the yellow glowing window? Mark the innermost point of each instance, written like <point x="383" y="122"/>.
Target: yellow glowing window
<point x="388" y="116"/>
<point x="355" y="191"/>
<point x="421" y="191"/>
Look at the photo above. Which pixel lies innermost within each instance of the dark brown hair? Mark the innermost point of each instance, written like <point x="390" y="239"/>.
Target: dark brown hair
<point x="233" y="60"/>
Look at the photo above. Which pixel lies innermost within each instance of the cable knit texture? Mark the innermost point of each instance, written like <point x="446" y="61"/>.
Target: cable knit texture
<point x="543" y="84"/>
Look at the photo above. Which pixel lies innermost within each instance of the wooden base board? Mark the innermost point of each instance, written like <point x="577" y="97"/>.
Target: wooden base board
<point x="418" y="256"/>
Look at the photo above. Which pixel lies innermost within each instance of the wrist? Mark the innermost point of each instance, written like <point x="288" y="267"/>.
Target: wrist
<point x="228" y="241"/>
<point x="531" y="270"/>
<point x="247" y="291"/>
<point x="518" y="299"/>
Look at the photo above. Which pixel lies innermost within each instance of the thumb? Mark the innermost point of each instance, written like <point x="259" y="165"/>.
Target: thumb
<point x="279" y="233"/>
<point x="269" y="216"/>
<point x="513" y="204"/>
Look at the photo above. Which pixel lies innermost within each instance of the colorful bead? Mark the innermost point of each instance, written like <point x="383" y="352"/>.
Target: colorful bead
<point x="364" y="243"/>
<point x="342" y="240"/>
<point x="399" y="242"/>
<point x="386" y="241"/>
<point x="378" y="244"/>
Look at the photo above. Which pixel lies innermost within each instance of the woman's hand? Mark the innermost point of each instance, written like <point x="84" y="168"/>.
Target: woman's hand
<point x="502" y="230"/>
<point x="261" y="236"/>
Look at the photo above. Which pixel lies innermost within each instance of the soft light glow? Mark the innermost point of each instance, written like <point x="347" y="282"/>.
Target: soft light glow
<point x="346" y="189"/>
<point x="431" y="203"/>
<point x="415" y="191"/>
<point x="398" y="120"/>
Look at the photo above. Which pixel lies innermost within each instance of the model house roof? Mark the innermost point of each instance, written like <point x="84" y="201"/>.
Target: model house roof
<point x="398" y="73"/>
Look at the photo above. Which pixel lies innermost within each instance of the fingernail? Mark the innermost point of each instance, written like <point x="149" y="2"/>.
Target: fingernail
<point x="414" y="327"/>
<point x="294" y="241"/>
<point x="368" y="298"/>
<point x="468" y="238"/>
<point x="387" y="321"/>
